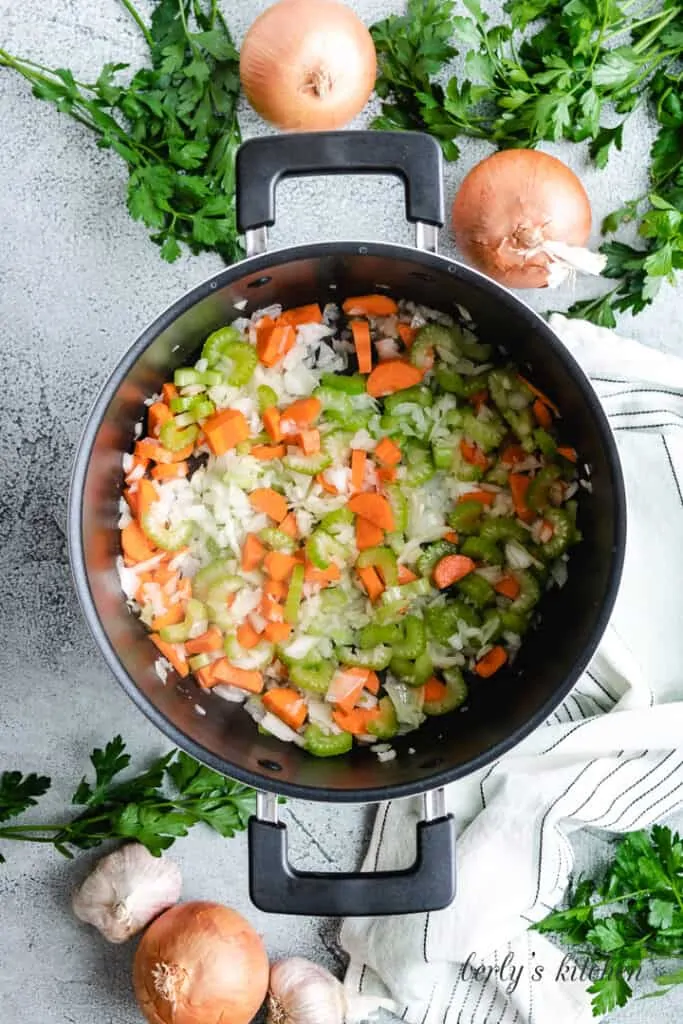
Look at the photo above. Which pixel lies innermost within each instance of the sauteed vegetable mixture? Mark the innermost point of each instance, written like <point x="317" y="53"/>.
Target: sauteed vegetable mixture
<point x="345" y="517"/>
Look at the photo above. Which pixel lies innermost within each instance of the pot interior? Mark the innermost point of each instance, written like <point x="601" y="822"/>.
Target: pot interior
<point x="501" y="710"/>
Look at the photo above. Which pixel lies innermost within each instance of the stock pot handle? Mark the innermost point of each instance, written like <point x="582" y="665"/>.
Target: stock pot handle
<point x="278" y="888"/>
<point x="412" y="156"/>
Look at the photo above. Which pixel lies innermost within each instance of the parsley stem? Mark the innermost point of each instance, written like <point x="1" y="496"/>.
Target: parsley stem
<point x="650" y="36"/>
<point x="137" y="18"/>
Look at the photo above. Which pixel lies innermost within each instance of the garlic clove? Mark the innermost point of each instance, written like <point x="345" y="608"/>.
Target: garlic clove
<point x="302" y="992"/>
<point x="126" y="890"/>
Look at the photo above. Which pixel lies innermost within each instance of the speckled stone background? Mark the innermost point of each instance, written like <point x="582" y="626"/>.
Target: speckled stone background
<point x="78" y="281"/>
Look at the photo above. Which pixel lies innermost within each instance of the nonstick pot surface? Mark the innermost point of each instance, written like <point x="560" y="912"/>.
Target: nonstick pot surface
<point x="503" y="709"/>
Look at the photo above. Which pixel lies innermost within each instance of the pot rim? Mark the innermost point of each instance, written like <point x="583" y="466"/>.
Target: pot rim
<point x="116" y="376"/>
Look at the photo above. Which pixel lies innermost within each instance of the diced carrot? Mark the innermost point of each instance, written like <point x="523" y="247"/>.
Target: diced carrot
<point x="170" y="471"/>
<point x="136" y="546"/>
<point x="407" y="334"/>
<point x="451" y="536"/>
<point x="247" y="636"/>
<point x="539" y="394"/>
<point x="287" y="704"/>
<point x="278" y="632"/>
<point x="372" y="582"/>
<point x="391" y="376"/>
<point x="246" y="679"/>
<point x="265" y="499"/>
<point x="508" y="587"/>
<point x="325" y="484"/>
<point x="370" y="305"/>
<point x="309" y="441"/>
<point x="543" y="415"/>
<point x="162" y="574"/>
<point x="356" y="720"/>
<point x="519" y="485"/>
<point x="271" y="423"/>
<point x="204" y="676"/>
<point x="358" y="460"/>
<point x="272" y="343"/>
<point x="224" y="430"/>
<point x="485" y="497"/>
<point x="253" y="553"/>
<point x="347" y="687"/>
<point x="131" y="497"/>
<point x="374" y="507"/>
<point x="435" y="689"/>
<point x="147" y="495"/>
<point x="491" y="662"/>
<point x="173" y="653"/>
<point x="288" y="525"/>
<point x="212" y="640"/>
<point x="473" y="454"/>
<point x="278" y="565"/>
<point x="303" y="412"/>
<point x="405" y="575"/>
<point x="175" y="614"/>
<point x="276" y="589"/>
<point x="568" y="453"/>
<point x="168" y="392"/>
<point x="512" y="454"/>
<point x="301" y="315"/>
<point x="479" y="398"/>
<point x="368" y="535"/>
<point x="372" y="683"/>
<point x="360" y="329"/>
<point x="323" y="577"/>
<point x="267" y="452"/>
<point x="387" y="474"/>
<point x="149" y="448"/>
<point x="271" y="610"/>
<point x="157" y="414"/>
<point x="388" y="452"/>
<point x="451" y="569"/>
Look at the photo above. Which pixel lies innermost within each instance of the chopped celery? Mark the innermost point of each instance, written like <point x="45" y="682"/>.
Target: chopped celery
<point x="522" y="423"/>
<point x="420" y="467"/>
<point x="170" y="538"/>
<point x="385" y="725"/>
<point x="487" y="433"/>
<point x="373" y="635"/>
<point x="413" y="671"/>
<point x="174" y="438"/>
<point x="214" y="346"/>
<point x="294" y="594"/>
<point x="376" y="658"/>
<point x="314" y="678"/>
<point x="406" y="592"/>
<point x="482" y="550"/>
<point x="195" y="613"/>
<point x="186" y="377"/>
<point x="428" y="338"/>
<point x="444" y="621"/>
<point x="407" y="701"/>
<point x="223" y="347"/>
<point x="563" y="533"/>
<point x="466" y="516"/>
<point x="215" y="572"/>
<point x="433" y="554"/>
<point x="266" y="397"/>
<point x="418" y="396"/>
<point x="538" y="495"/>
<point x="217" y="600"/>
<point x="455" y="696"/>
<point x="341" y="517"/>
<point x="349" y="385"/>
<point x="413" y="640"/>
<point x="198" y="661"/>
<point x="504" y="528"/>
<point x="255" y="658"/>
<point x="322" y="744"/>
<point x="322" y="547"/>
<point x="545" y="442"/>
<point x="384" y="559"/>
<point x="277" y="540"/>
<point x="399" y="507"/>
<point x="309" y="465"/>
<point x="468" y="345"/>
<point x="529" y="594"/>
<point x="442" y="453"/>
<point x="336" y="405"/>
<point x="514" y="622"/>
<point x="477" y="590"/>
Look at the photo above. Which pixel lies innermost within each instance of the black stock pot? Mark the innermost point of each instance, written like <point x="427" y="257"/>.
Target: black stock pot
<point x="515" y="701"/>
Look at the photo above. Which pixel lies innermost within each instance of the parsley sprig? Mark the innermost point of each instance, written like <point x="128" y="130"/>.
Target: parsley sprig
<point x="633" y="913"/>
<point x="555" y="70"/>
<point x="175" y="124"/>
<point x="154" y="807"/>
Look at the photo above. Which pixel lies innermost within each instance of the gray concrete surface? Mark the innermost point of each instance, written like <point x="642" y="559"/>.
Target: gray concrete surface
<point x="78" y="281"/>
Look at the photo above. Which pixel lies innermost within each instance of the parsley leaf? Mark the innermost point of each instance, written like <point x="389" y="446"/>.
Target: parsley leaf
<point x="19" y="792"/>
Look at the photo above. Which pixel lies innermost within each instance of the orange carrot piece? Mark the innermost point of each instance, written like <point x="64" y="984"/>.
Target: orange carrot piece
<point x="372" y="582"/>
<point x="268" y="452"/>
<point x="451" y="569"/>
<point x="451" y="536"/>
<point x="224" y="430"/>
<point x="134" y="472"/>
<point x="174" y="615"/>
<point x="372" y="683"/>
<point x="247" y="636"/>
<point x="568" y="453"/>
<point x="388" y="452"/>
<point x="278" y="632"/>
<point x="519" y="485"/>
<point x="479" y="398"/>
<point x="491" y="662"/>
<point x="323" y="577"/>
<point x="204" y="676"/>
<point x="356" y="720"/>
<point x="360" y="329"/>
<point x="539" y="394"/>
<point x="405" y="575"/>
<point x="543" y="415"/>
<point x="157" y="414"/>
<point x="358" y="460"/>
<point x="265" y="499"/>
<point x="374" y="507"/>
<point x="146" y="496"/>
<point x="271" y="610"/>
<point x="287" y="704"/>
<point x="325" y="484"/>
<point x="347" y="687"/>
<point x="301" y="315"/>
<point x="368" y="535"/>
<point x="271" y="423"/>
<point x="132" y="499"/>
<point x="485" y="497"/>
<point x="508" y="587"/>
<point x="136" y="546"/>
<point x="435" y="689"/>
<point x="309" y="441"/>
<point x="512" y="454"/>
<point x="279" y="565"/>
<point x="303" y="412"/>
<point x="173" y="653"/>
<point x="407" y="334"/>
<point x="391" y="376"/>
<point x="168" y="392"/>
<point x="253" y="553"/>
<point x="473" y="454"/>
<point x="272" y="343"/>
<point x="212" y="640"/>
<point x="387" y="474"/>
<point x="275" y="589"/>
<point x="288" y="525"/>
<point x="370" y="305"/>
<point x="170" y="471"/>
<point x="246" y="679"/>
<point x="149" y="448"/>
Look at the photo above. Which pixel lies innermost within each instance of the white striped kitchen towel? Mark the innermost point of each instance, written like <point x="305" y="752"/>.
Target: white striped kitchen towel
<point x="611" y="756"/>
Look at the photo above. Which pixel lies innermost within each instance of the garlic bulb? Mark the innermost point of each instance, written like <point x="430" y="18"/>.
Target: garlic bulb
<point x="126" y="890"/>
<point x="301" y="992"/>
